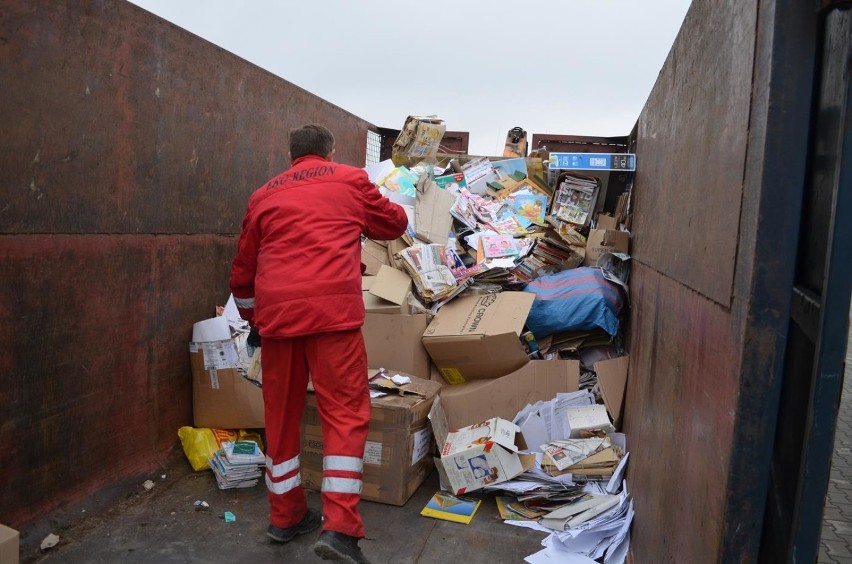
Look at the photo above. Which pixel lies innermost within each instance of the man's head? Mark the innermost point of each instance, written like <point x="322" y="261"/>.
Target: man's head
<point x="311" y="139"/>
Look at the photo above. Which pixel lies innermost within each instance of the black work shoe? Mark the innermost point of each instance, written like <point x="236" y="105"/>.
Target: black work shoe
<point x="312" y="520"/>
<point x="339" y="548"/>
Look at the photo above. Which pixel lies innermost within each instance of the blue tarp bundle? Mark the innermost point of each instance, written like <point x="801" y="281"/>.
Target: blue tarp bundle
<point x="579" y="299"/>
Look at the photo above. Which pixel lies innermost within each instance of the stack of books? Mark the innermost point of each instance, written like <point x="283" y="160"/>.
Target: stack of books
<point x="237" y="464"/>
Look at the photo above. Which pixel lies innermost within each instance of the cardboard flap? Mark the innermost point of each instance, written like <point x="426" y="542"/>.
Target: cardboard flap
<point x="606" y="222"/>
<point x="527" y="461"/>
<point x="391" y="284"/>
<point x="505" y="434"/>
<point x="417" y="387"/>
<point x="511" y="314"/>
<point x="612" y="377"/>
<point x="438" y="419"/>
<point x="491" y="314"/>
<point x="432" y="219"/>
<point x="504" y="397"/>
<point x="367" y="282"/>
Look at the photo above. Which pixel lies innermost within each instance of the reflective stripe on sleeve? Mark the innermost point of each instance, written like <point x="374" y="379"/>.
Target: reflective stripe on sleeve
<point x="343" y="463"/>
<point x="341" y="485"/>
<point x="282" y="468"/>
<point x="244" y="303"/>
<point x="284" y="486"/>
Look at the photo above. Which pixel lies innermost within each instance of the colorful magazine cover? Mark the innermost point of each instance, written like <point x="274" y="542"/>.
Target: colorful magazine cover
<point x="453" y="182"/>
<point x="531" y="206"/>
<point x="448" y="507"/>
<point x="506" y="513"/>
<point x="499" y="246"/>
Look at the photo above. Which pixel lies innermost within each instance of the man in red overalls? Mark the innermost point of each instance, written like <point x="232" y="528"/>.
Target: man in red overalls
<point x="297" y="279"/>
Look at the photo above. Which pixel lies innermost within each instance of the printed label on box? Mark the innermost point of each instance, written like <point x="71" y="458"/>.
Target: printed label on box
<point x="422" y="442"/>
<point x="452" y="376"/>
<point x="214" y="378"/>
<point x="219" y="354"/>
<point x="372" y="453"/>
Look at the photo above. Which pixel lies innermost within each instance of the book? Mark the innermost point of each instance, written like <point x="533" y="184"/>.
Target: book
<point x="507" y="513"/>
<point x="448" y="507"/>
<point x="531" y="206"/>
<point x="500" y="246"/>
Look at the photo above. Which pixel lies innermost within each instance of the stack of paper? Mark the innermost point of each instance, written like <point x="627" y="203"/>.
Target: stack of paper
<point x="575" y="199"/>
<point x="237" y="464"/>
<point x="592" y="528"/>
<point x="548" y="420"/>
<point x="431" y="267"/>
<point x="585" y="459"/>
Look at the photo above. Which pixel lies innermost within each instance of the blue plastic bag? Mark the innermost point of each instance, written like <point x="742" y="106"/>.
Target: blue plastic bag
<point x="580" y="299"/>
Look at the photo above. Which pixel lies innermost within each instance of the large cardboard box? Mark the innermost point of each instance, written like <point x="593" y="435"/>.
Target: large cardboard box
<point x="602" y="241"/>
<point x="504" y="397"/>
<point x="221" y="398"/>
<point x="394" y="342"/>
<point x="10" y="542"/>
<point x="397" y="457"/>
<point x="478" y="337"/>
<point x="483" y="454"/>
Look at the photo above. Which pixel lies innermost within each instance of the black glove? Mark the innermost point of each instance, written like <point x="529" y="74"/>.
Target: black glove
<point x="253" y="338"/>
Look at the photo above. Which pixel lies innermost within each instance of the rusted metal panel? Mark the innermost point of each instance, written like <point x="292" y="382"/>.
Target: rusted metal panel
<point x="679" y="418"/>
<point x="130" y="148"/>
<point x="117" y="121"/>
<point x="692" y="150"/>
<point x="95" y="377"/>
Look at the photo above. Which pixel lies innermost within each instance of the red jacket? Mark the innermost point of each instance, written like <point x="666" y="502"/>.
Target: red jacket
<point x="297" y="269"/>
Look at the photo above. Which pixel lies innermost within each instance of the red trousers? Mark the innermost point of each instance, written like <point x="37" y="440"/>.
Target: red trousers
<point x="337" y="364"/>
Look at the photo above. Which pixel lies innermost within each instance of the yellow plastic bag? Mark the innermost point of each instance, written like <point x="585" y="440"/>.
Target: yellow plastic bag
<point x="199" y="445"/>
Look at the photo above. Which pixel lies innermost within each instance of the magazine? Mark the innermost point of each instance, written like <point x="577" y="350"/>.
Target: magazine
<point x="444" y="505"/>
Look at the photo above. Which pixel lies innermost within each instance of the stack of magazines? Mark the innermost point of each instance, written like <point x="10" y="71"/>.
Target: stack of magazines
<point x="237" y="464"/>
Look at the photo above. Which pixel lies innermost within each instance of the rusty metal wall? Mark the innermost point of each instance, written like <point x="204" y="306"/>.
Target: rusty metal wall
<point x="129" y="150"/>
<point x="720" y="146"/>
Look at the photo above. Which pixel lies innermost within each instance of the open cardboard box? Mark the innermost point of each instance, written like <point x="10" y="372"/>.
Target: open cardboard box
<point x="397" y="455"/>
<point x="538" y="380"/>
<point x="478" y="337"/>
<point x="482" y="454"/>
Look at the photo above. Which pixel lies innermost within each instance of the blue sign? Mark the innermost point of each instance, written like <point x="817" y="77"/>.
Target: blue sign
<point x="593" y="161"/>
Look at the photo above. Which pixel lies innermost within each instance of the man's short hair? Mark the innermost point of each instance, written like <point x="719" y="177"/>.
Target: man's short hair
<point x="311" y="139"/>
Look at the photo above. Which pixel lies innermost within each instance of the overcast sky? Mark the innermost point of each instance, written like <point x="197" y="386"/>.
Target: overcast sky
<point x="578" y="67"/>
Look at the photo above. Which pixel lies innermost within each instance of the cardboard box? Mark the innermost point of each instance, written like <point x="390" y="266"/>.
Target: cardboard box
<point x="504" y="397"/>
<point x="602" y="241"/>
<point x="483" y="454"/>
<point x="373" y="256"/>
<point x="394" y="342"/>
<point x="612" y="377"/>
<point x="10" y="542"/>
<point x="387" y="291"/>
<point x="398" y="454"/>
<point x="221" y="398"/>
<point x="606" y="222"/>
<point x="478" y="337"/>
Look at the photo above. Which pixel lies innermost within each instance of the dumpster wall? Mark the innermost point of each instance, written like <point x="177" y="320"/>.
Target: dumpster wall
<point x="129" y="150"/>
<point x="710" y="286"/>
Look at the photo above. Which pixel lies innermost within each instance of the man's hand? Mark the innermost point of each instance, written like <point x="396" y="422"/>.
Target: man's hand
<point x="253" y="338"/>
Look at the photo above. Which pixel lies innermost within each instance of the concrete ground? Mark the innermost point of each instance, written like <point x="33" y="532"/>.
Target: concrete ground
<point x="836" y="538"/>
<point x="162" y="526"/>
